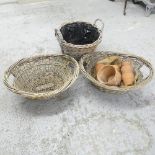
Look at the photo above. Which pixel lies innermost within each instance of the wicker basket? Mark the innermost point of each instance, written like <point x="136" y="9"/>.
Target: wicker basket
<point x="42" y="77"/>
<point x="77" y="51"/>
<point x="88" y="62"/>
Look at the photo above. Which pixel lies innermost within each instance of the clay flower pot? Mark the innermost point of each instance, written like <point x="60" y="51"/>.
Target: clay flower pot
<point x="128" y="76"/>
<point x="109" y="75"/>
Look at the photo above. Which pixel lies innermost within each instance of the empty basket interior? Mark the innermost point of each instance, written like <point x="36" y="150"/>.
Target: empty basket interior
<point x="42" y="74"/>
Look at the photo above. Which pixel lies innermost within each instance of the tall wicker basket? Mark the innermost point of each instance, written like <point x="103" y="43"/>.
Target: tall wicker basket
<point x="77" y="51"/>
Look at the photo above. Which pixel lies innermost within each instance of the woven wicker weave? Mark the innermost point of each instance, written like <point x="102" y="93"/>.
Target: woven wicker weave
<point x="42" y="77"/>
<point x="77" y="51"/>
<point x="88" y="62"/>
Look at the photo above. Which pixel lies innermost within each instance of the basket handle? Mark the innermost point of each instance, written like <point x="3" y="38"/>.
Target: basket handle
<point x="101" y="23"/>
<point x="6" y="81"/>
<point x="59" y="36"/>
<point x="151" y="73"/>
<point x="7" y="76"/>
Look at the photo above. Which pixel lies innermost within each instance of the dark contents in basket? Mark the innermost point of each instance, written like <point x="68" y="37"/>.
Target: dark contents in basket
<point x="79" y="33"/>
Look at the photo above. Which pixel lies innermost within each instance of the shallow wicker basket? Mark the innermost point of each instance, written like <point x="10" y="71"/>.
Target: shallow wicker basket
<point x="74" y="50"/>
<point x="41" y="77"/>
<point x="141" y="66"/>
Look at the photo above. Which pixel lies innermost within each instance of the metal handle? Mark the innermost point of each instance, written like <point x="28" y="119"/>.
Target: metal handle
<point x="101" y="22"/>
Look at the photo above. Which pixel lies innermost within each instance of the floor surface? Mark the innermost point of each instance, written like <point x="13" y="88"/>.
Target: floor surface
<point x="82" y="121"/>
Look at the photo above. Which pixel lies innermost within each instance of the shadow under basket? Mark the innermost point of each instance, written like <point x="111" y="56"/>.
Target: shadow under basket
<point x="143" y="70"/>
<point x="42" y="77"/>
<point x="79" y="38"/>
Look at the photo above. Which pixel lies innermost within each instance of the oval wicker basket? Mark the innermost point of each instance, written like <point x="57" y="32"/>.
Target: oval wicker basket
<point x="88" y="62"/>
<point x="77" y="51"/>
<point x="41" y="77"/>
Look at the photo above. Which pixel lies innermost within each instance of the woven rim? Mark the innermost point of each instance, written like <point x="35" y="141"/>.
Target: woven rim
<point x="114" y="88"/>
<point x="43" y="94"/>
<point x="60" y="37"/>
